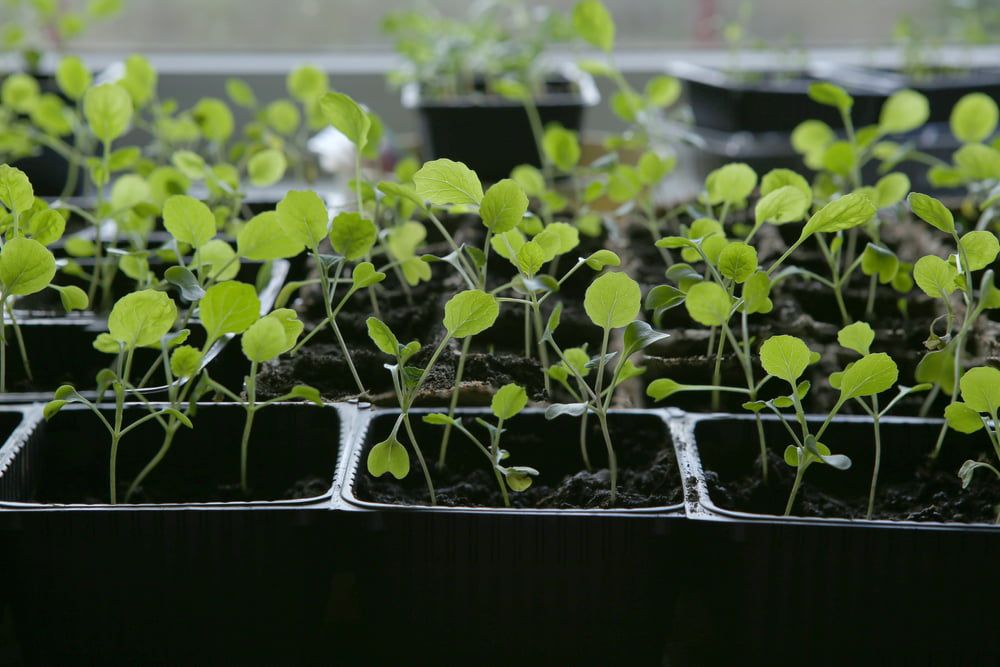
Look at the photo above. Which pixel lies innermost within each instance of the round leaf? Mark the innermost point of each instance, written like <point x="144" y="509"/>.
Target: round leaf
<point x="389" y="456"/>
<point x="266" y="167"/>
<point x="613" y="300"/>
<point x="303" y="217"/>
<point x="26" y="267"/>
<point x="263" y="239"/>
<point x="108" y="110"/>
<point x="905" y="110"/>
<point x="974" y="118"/>
<point x="503" y="206"/>
<point x="347" y="116"/>
<point x="509" y="400"/>
<point x="229" y="307"/>
<point x="708" y="304"/>
<point x="445" y="182"/>
<point x="352" y="235"/>
<point x="785" y="357"/>
<point x="737" y="261"/>
<point x="870" y="375"/>
<point x="142" y="319"/>
<point x="469" y="313"/>
<point x="188" y="220"/>
<point x="981" y="389"/>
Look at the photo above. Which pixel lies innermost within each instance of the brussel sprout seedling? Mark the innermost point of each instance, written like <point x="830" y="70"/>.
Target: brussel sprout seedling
<point x="468" y="313"/>
<point x="140" y="319"/>
<point x="859" y="337"/>
<point x="612" y="302"/>
<point x="939" y="278"/>
<point x="978" y="410"/>
<point x="27" y="266"/>
<point x="509" y="400"/>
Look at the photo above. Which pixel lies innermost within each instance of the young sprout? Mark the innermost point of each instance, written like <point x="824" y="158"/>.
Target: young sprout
<point x="509" y="400"/>
<point x="26" y="265"/>
<point x="978" y="409"/>
<point x="859" y="337"/>
<point x="939" y="278"/>
<point x="264" y="340"/>
<point x="612" y="302"/>
<point x="468" y="313"/>
<point x="140" y="319"/>
<point x="575" y="364"/>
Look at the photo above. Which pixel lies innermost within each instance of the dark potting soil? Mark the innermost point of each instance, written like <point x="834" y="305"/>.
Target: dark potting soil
<point x="323" y="366"/>
<point x="178" y="490"/>
<point x="648" y="475"/>
<point x="932" y="494"/>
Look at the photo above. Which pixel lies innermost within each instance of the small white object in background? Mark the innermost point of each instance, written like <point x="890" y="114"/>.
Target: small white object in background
<point x="111" y="74"/>
<point x="334" y="151"/>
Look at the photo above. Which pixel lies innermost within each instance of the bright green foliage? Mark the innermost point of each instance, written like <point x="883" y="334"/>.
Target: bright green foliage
<point x="785" y="357"/>
<point x="303" y="217"/>
<point x="845" y="213"/>
<point x="26" y="267"/>
<point x="389" y="456"/>
<point x="935" y="276"/>
<point x="185" y="361"/>
<point x="932" y="211"/>
<point x="266" y="167"/>
<point x="214" y="119"/>
<point x="561" y="147"/>
<point x="142" y="319"/>
<point x="188" y="220"/>
<point x="858" y="337"/>
<point x="108" y="110"/>
<point x="73" y="77"/>
<point x="271" y="336"/>
<point x="870" y="375"/>
<point x="905" y="110"/>
<point x="731" y="184"/>
<point x="352" y="235"/>
<point x="228" y="307"/>
<point x="612" y="301"/>
<point x="974" y="118"/>
<point x="594" y="24"/>
<point x="306" y="83"/>
<point x="16" y="193"/>
<point x="503" y="206"/>
<point x="470" y="313"/>
<point x="737" y="261"/>
<point x="217" y="260"/>
<point x="347" y="116"/>
<point x="980" y="389"/>
<point x="980" y="248"/>
<point x="445" y="182"/>
<point x="709" y="304"/>
<point x="262" y="238"/>
<point x="509" y="400"/>
<point x="831" y="95"/>
<point x="785" y="204"/>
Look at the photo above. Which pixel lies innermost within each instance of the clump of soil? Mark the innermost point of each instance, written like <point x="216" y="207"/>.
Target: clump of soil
<point x="931" y="494"/>
<point x="648" y="475"/>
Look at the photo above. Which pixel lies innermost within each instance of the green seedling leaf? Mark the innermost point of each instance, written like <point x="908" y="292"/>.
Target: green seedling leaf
<point x="709" y="304"/>
<point x="562" y="147"/>
<point x="976" y="162"/>
<point x="731" y="184"/>
<point x="785" y="204"/>
<point x="446" y="183"/>
<point x="389" y="456"/>
<point x="267" y="167"/>
<point x="73" y="77"/>
<point x="779" y="178"/>
<point x="935" y="276"/>
<point x="72" y="297"/>
<point x="185" y="361"/>
<point x="594" y="24"/>
<point x="470" y="313"/>
<point x="932" y="211"/>
<point x="858" y="337"/>
<point x="228" y="307"/>
<point x="652" y="168"/>
<point x="439" y="419"/>
<point x="981" y="389"/>
<point x="757" y="293"/>
<point x="845" y="213"/>
<point x="558" y="238"/>
<point x="981" y="249"/>
<point x="509" y="400"/>
<point x="139" y="80"/>
<point x="108" y="110"/>
<point x="16" y="193"/>
<point x="352" y="235"/>
<point x="402" y="192"/>
<point x="306" y="393"/>
<point x="519" y="477"/>
<point x="891" y="189"/>
<point x="612" y="301"/>
<point x="785" y="357"/>
<point x="624" y="183"/>
<point x="938" y="367"/>
<point x="879" y="260"/>
<point x="216" y="259"/>
<point x="188" y="220"/>
<point x="503" y="206"/>
<point x="664" y="387"/>
<point x="871" y="374"/>
<point x="347" y="116"/>
<point x="962" y="418"/>
<point x="364" y="275"/>
<point x="565" y="410"/>
<point x="831" y="95"/>
<point x="303" y="217"/>
<point x="186" y="282"/>
<point x="905" y="110"/>
<point x="969" y="468"/>
<point x="142" y="319"/>
<point x="639" y="335"/>
<point x="266" y="339"/>
<point x="737" y="261"/>
<point x="974" y="118"/>
<point x="263" y="239"/>
<point x="530" y="258"/>
<point x="52" y="408"/>
<point x="307" y="83"/>
<point x="26" y="267"/>
<point x="663" y="297"/>
<point x="602" y="258"/>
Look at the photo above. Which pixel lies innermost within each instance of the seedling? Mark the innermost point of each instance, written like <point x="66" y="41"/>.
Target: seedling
<point x="139" y="319"/>
<point x="939" y="278"/>
<point x="978" y="410"/>
<point x="509" y="400"/>
<point x="612" y="302"/>
<point x="26" y="265"/>
<point x="859" y="337"/>
<point x="468" y="313"/>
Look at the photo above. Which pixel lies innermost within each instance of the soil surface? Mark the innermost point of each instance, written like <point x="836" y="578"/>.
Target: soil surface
<point x="648" y="474"/>
<point x="179" y="491"/>
<point x="932" y="494"/>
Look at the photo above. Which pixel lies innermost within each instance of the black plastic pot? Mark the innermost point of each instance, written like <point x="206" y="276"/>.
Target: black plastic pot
<point x="766" y="101"/>
<point x="774" y="589"/>
<point x="177" y="583"/>
<point x="491" y="134"/>
<point x="498" y="586"/>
